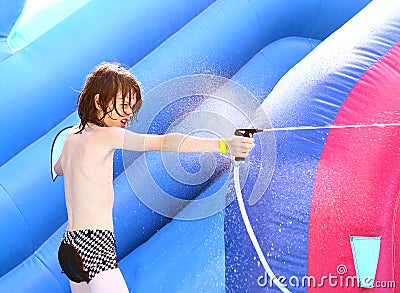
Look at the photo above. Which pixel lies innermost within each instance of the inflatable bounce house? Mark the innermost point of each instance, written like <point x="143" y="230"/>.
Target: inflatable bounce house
<point x="314" y="208"/>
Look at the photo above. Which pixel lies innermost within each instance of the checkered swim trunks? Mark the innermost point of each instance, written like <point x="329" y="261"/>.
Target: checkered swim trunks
<point x="85" y="253"/>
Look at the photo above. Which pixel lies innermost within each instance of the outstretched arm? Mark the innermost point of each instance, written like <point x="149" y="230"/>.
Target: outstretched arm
<point x="119" y="138"/>
<point x="176" y="142"/>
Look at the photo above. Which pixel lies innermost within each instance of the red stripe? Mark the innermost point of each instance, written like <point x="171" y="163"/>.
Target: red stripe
<point x="358" y="181"/>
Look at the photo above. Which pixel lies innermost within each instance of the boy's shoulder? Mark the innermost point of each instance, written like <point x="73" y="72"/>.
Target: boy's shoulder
<point x="109" y="131"/>
<point x="97" y="130"/>
<point x="111" y="137"/>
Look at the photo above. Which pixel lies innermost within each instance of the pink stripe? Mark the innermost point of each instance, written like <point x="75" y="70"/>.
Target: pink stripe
<point x="358" y="181"/>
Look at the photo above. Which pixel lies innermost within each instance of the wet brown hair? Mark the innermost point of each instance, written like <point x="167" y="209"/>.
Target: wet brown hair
<point x="106" y="80"/>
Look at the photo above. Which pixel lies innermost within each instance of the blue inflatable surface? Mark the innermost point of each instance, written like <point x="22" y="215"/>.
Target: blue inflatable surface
<point x="206" y="68"/>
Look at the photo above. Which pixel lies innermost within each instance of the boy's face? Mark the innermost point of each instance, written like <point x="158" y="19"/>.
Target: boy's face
<point x="124" y="114"/>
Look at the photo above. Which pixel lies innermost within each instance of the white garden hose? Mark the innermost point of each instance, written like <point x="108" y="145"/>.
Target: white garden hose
<point x="250" y="231"/>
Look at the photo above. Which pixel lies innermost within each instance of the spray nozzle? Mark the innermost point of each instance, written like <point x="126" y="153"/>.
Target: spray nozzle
<point x="247" y="132"/>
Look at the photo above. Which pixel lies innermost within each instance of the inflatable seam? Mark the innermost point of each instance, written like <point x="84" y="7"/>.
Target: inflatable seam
<point x="50" y="271"/>
<point x="317" y="16"/>
<point x="22" y="215"/>
<point x="258" y="21"/>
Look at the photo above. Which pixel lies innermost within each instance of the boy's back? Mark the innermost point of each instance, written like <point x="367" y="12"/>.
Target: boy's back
<point x="87" y="166"/>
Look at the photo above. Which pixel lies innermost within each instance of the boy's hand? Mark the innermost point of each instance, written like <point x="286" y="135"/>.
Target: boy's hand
<point x="240" y="146"/>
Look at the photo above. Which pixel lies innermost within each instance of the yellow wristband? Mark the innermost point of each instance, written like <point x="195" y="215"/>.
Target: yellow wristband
<point x="222" y="146"/>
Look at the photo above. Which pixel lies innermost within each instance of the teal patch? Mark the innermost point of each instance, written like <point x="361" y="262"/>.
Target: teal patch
<point x="365" y="254"/>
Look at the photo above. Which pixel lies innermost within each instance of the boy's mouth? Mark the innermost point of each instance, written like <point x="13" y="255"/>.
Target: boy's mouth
<point x="124" y="122"/>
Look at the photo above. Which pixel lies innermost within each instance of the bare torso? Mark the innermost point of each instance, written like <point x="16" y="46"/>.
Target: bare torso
<point x="88" y="178"/>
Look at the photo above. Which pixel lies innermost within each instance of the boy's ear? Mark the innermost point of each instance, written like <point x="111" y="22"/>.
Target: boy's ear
<point x="97" y="102"/>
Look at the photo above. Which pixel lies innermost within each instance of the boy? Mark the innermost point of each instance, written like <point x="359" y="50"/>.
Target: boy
<point x="109" y="100"/>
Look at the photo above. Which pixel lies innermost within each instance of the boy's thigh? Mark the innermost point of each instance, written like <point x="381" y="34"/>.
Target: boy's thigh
<point x="109" y="281"/>
<point x="81" y="287"/>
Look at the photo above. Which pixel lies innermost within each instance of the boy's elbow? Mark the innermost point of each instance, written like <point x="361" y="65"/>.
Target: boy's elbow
<point x="58" y="169"/>
<point x="170" y="142"/>
<point x="59" y="172"/>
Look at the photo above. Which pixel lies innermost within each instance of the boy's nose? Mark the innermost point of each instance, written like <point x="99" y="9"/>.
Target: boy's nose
<point x="130" y="114"/>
